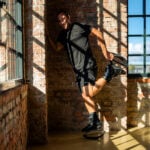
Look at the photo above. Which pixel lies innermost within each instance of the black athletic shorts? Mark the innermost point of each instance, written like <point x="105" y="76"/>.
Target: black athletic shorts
<point x="85" y="77"/>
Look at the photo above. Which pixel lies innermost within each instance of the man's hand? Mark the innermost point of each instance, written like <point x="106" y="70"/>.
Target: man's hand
<point x="55" y="46"/>
<point x="109" y="56"/>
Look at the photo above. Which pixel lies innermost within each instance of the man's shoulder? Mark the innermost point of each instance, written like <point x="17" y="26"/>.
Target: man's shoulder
<point x="82" y="27"/>
<point x="79" y="23"/>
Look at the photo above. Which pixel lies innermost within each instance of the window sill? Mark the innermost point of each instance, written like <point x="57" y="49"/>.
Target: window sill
<point x="5" y="86"/>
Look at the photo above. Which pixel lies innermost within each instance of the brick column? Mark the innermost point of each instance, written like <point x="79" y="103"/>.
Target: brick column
<point x="35" y="66"/>
<point x="113" y="22"/>
<point x="138" y="110"/>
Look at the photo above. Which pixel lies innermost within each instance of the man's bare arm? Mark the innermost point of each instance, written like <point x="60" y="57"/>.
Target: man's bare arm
<point x="56" y="46"/>
<point x="101" y="43"/>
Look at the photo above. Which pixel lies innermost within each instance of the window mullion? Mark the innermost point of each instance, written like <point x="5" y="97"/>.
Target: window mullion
<point x="144" y="46"/>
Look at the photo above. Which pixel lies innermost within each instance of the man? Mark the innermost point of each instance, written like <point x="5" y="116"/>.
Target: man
<point x="75" y="39"/>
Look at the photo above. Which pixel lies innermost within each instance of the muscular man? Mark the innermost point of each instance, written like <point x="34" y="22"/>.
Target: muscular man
<point x="74" y="37"/>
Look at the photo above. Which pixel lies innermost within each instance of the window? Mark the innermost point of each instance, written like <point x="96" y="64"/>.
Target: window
<point x="139" y="38"/>
<point x="11" y="50"/>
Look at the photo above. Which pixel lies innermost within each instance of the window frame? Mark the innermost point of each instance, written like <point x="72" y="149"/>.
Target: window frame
<point x="144" y="36"/>
<point x="14" y="82"/>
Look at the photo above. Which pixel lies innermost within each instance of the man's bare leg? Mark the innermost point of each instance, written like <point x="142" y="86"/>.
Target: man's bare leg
<point x="91" y="90"/>
<point x="87" y="94"/>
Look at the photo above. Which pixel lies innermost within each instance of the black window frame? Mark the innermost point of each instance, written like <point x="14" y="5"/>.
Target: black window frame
<point x="144" y="36"/>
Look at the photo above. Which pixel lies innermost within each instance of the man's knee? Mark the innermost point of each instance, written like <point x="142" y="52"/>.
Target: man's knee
<point x="87" y="91"/>
<point x="86" y="95"/>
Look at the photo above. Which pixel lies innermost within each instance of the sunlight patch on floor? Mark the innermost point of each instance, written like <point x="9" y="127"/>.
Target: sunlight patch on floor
<point x="124" y="140"/>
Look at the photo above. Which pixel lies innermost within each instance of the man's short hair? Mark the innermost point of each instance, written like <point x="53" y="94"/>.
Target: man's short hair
<point x="62" y="11"/>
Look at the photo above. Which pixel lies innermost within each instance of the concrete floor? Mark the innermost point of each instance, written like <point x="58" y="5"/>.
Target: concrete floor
<point x="133" y="139"/>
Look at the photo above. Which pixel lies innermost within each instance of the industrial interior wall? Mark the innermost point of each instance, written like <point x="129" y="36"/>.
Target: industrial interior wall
<point x="34" y="12"/>
<point x="66" y="110"/>
<point x="138" y="105"/>
<point x="13" y="119"/>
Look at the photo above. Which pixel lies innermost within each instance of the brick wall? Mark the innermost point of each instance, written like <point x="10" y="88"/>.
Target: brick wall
<point x="138" y="106"/>
<point x="13" y="119"/>
<point x="65" y="106"/>
<point x="35" y="69"/>
<point x="121" y="102"/>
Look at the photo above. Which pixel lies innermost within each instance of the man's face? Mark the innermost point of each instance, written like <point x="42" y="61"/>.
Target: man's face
<point x="63" y="20"/>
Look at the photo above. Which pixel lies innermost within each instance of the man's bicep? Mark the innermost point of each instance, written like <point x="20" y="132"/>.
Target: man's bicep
<point x="94" y="32"/>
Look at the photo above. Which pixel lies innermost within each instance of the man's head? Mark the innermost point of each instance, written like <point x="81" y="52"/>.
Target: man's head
<point x="63" y="19"/>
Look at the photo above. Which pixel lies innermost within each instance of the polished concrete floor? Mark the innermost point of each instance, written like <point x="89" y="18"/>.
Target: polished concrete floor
<point x="133" y="139"/>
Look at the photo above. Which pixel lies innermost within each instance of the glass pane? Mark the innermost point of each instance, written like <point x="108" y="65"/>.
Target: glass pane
<point x="147" y="6"/>
<point x="18" y="17"/>
<point x="19" y="69"/>
<point x="136" y="25"/>
<point x="148" y="25"/>
<point x="135" y="45"/>
<point x="135" y="64"/>
<point x="18" y="13"/>
<point x="148" y="64"/>
<point x="148" y="45"/>
<point x="3" y="64"/>
<point x="19" y="41"/>
<point x="135" y="7"/>
<point x="148" y="60"/>
<point x="135" y="60"/>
